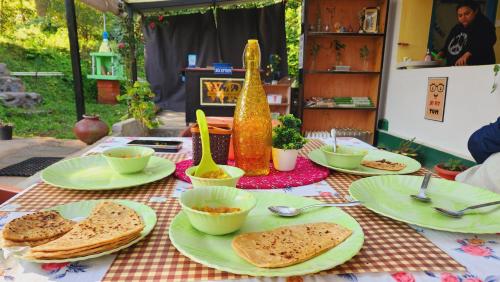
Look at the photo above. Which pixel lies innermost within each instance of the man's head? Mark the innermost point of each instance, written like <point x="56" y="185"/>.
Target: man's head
<point x="467" y="11"/>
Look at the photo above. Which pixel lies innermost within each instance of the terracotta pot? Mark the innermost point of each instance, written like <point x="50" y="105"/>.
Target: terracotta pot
<point x="220" y="137"/>
<point x="446" y="174"/>
<point x="90" y="129"/>
<point x="6" y="132"/>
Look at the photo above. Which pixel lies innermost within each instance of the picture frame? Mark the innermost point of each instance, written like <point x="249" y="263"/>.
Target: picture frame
<point x="371" y="19"/>
<point x="220" y="91"/>
<point x="436" y="98"/>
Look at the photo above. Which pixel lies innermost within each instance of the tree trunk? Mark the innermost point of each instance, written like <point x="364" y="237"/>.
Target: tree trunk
<point x="41" y="7"/>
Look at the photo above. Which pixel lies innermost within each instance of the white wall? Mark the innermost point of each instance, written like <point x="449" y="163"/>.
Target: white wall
<point x="469" y="104"/>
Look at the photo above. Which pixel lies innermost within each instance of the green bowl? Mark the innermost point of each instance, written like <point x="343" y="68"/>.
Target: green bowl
<point x="130" y="159"/>
<point x="217" y="196"/>
<point x="234" y="173"/>
<point x="345" y="157"/>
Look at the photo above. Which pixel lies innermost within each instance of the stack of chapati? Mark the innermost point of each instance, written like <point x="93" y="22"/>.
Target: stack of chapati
<point x="109" y="226"/>
<point x="289" y="245"/>
<point x="35" y="229"/>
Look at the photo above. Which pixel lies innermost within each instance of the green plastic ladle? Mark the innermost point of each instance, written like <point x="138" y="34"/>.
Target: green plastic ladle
<point x="207" y="164"/>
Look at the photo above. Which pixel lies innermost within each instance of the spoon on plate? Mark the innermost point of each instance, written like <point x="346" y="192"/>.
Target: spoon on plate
<point x="333" y="134"/>
<point x="421" y="196"/>
<point x="291" y="211"/>
<point x="460" y="213"/>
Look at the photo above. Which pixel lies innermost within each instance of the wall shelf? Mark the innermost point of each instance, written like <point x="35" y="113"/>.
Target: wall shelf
<point x="342" y="108"/>
<point x="346" y="34"/>
<point x="340" y="72"/>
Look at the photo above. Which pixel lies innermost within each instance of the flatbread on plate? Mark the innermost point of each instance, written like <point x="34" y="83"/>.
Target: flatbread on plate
<point x="108" y="223"/>
<point x="289" y="245"/>
<point x="384" y="164"/>
<point x="38" y="226"/>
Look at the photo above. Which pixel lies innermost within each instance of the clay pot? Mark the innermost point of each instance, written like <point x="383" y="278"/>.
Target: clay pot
<point x="447" y="174"/>
<point x="220" y="136"/>
<point x="90" y="129"/>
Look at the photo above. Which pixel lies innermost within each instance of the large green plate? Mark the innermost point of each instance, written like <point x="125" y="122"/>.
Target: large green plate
<point x="412" y="165"/>
<point x="94" y="173"/>
<point x="81" y="210"/>
<point x="216" y="251"/>
<point x="390" y="196"/>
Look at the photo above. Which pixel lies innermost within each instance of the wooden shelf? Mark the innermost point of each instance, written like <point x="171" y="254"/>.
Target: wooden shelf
<point x="282" y="104"/>
<point x="345" y="34"/>
<point x="341" y="108"/>
<point x="341" y="72"/>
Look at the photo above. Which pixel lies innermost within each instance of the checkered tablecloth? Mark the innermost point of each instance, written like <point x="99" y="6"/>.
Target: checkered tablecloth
<point x="390" y="246"/>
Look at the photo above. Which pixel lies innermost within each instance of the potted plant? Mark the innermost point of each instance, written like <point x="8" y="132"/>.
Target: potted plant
<point x="287" y="141"/>
<point x="141" y="107"/>
<point x="364" y="52"/>
<point x="450" y="169"/>
<point x="408" y="148"/>
<point x="272" y="69"/>
<point x="5" y="130"/>
<point x="315" y="48"/>
<point x="339" y="48"/>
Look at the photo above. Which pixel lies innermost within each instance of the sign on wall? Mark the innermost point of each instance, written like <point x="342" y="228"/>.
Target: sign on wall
<point x="436" y="98"/>
<point x="220" y="91"/>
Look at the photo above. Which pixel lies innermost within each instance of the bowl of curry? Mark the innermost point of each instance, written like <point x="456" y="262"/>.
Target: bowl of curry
<point x="226" y="176"/>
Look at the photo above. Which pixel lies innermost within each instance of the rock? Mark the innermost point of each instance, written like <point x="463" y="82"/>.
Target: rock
<point x="20" y="99"/>
<point x="4" y="71"/>
<point x="11" y="84"/>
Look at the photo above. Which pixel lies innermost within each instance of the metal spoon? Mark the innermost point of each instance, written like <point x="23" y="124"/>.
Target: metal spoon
<point x="333" y="134"/>
<point x="290" y="211"/>
<point x="421" y="194"/>
<point x="460" y="213"/>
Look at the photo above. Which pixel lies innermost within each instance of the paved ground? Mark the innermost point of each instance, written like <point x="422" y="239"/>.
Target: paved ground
<point x="20" y="149"/>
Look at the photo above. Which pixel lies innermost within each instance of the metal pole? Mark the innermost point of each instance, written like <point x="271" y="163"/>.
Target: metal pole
<point x="75" y="58"/>
<point x="133" y="60"/>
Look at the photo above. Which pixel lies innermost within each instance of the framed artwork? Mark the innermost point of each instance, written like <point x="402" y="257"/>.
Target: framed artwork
<point x="220" y="91"/>
<point x="370" y="20"/>
<point x="436" y="98"/>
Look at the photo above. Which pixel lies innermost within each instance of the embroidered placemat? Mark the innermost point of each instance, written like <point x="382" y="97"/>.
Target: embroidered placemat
<point x="390" y="246"/>
<point x="305" y="172"/>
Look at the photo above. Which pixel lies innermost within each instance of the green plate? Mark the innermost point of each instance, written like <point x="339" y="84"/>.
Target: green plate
<point x="411" y="165"/>
<point x="94" y="173"/>
<point x="390" y="196"/>
<point x="80" y="210"/>
<point x="216" y="251"/>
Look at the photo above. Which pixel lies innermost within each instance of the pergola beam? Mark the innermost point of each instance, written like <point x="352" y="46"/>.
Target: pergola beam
<point x="75" y="58"/>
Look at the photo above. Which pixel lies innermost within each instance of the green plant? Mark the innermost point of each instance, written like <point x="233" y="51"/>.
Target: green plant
<point x="408" y="147"/>
<point x="339" y="47"/>
<point x="4" y="123"/>
<point x="364" y="52"/>
<point x="141" y="107"/>
<point x="453" y="165"/>
<point x="287" y="135"/>
<point x="272" y="69"/>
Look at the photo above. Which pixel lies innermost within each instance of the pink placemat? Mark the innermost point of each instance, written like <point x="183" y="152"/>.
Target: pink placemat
<point x="305" y="172"/>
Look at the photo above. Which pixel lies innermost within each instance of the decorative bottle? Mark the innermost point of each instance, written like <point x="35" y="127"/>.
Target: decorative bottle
<point x="252" y="119"/>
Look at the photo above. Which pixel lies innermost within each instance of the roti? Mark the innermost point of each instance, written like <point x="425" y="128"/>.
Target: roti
<point x="83" y="252"/>
<point x="384" y="164"/>
<point x="38" y="226"/>
<point x="9" y="243"/>
<point x="289" y="245"/>
<point x="108" y="223"/>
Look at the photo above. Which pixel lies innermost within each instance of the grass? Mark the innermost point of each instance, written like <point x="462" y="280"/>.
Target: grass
<point x="56" y="115"/>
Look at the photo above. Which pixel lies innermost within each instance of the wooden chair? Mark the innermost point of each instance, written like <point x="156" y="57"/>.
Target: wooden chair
<point x="7" y="192"/>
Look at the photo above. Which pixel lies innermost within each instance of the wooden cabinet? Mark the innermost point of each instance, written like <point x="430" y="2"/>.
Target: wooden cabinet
<point x="339" y="61"/>
<point x="278" y="97"/>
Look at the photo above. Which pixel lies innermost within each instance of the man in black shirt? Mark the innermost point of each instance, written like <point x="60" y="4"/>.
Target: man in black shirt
<point x="471" y="40"/>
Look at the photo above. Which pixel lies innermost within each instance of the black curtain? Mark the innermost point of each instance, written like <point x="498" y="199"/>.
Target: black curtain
<point x="168" y="45"/>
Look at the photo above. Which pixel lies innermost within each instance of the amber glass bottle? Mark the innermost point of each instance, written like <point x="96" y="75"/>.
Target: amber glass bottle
<point x="252" y="118"/>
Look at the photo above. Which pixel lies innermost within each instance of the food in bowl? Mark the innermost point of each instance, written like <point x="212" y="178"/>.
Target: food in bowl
<point x="130" y="159"/>
<point x="216" y="174"/>
<point x="233" y="175"/>
<point x="217" y="197"/>
<point x="217" y="209"/>
<point x="346" y="157"/>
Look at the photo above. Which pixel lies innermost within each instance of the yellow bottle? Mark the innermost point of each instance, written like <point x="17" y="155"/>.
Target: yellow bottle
<point x="252" y="119"/>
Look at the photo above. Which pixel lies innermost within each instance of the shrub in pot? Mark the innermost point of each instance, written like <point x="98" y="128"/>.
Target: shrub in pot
<point x="450" y="169"/>
<point x="287" y="141"/>
<point x="5" y="130"/>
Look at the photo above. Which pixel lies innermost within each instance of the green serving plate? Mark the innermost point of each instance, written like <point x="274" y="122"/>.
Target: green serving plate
<point x="216" y="251"/>
<point x="390" y="196"/>
<point x="94" y="173"/>
<point x="412" y="165"/>
<point x="82" y="209"/>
